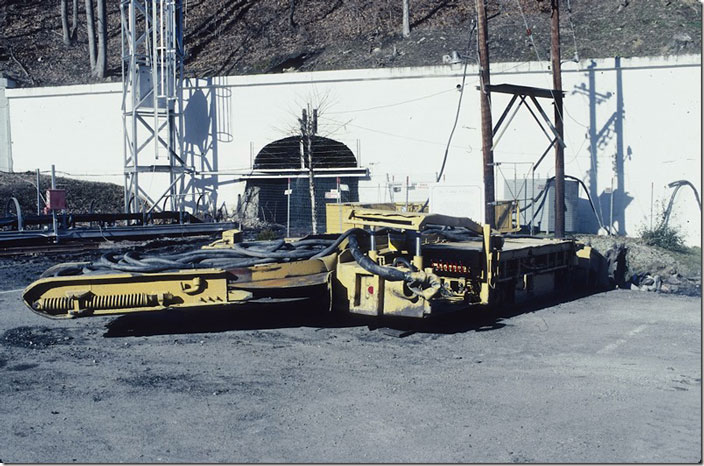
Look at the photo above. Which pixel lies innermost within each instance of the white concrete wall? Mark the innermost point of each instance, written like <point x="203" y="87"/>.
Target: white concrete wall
<point x="401" y="119"/>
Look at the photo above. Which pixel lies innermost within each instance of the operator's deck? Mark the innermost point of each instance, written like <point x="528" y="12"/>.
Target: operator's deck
<point x="470" y="252"/>
<point x="510" y="244"/>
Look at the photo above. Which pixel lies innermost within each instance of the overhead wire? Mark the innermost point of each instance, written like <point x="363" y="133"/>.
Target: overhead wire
<point x="575" y="154"/>
<point x="459" y="102"/>
<point x="396" y="104"/>
<point x="457" y="112"/>
<point x="401" y="136"/>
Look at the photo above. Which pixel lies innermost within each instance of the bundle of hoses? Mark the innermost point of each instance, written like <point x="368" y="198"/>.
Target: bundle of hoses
<point x="252" y="253"/>
<point x="425" y="285"/>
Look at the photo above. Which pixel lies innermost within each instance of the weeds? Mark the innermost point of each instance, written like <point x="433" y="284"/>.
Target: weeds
<point x="266" y="235"/>
<point x="664" y="236"/>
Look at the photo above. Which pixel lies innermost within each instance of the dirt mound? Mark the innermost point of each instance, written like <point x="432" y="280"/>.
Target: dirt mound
<point x="80" y="195"/>
<point x="651" y="268"/>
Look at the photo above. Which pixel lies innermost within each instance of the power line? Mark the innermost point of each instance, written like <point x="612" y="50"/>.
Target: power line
<point x="537" y="54"/>
<point x="574" y="36"/>
<point x="401" y="136"/>
<point x="392" y="105"/>
<point x="459" y="102"/>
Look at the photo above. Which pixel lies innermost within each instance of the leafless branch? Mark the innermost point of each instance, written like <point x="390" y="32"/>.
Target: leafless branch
<point x="24" y="70"/>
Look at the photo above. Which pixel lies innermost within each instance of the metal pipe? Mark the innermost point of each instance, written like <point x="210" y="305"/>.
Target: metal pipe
<point x="532" y="198"/>
<point x="611" y="207"/>
<point x="53" y="211"/>
<point x="407" y="193"/>
<point x="288" y="209"/>
<point x="39" y="195"/>
<point x="339" y="201"/>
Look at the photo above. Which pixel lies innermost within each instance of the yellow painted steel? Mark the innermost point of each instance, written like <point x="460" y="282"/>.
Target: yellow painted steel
<point x="120" y="293"/>
<point x="337" y="215"/>
<point x="360" y="216"/>
<point x="229" y="237"/>
<point x="505" y="213"/>
<point x="507" y="266"/>
<point x="66" y="297"/>
<point x="358" y="291"/>
<point x="498" y="268"/>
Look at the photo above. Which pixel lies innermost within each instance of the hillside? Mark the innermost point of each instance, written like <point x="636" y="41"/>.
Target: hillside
<point x="80" y="195"/>
<point x="226" y="37"/>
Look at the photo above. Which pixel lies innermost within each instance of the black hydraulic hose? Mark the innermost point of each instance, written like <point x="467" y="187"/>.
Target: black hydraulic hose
<point x="387" y="273"/>
<point x="543" y="193"/>
<point x="231" y="264"/>
<point x="405" y="262"/>
<point x="677" y="185"/>
<point x="348" y="234"/>
<point x="250" y="252"/>
<point x="313" y="242"/>
<point x="425" y="285"/>
<point x="456" y="234"/>
<point x="544" y="198"/>
<point x="601" y="225"/>
<point x="240" y="255"/>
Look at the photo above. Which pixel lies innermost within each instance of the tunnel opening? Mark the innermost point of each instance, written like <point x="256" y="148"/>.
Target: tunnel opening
<point x="280" y="170"/>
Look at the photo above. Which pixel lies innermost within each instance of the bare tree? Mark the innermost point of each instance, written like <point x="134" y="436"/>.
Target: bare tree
<point x="64" y="22"/>
<point x="292" y="10"/>
<point x="309" y="128"/>
<point x="101" y="61"/>
<point x="406" y="19"/>
<point x="90" y="27"/>
<point x="74" y="20"/>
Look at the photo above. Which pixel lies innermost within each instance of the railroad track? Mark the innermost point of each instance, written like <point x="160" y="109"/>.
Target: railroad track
<point x="47" y="248"/>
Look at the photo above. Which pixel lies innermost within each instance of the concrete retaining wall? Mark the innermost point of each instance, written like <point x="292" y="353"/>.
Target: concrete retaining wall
<point x="631" y="124"/>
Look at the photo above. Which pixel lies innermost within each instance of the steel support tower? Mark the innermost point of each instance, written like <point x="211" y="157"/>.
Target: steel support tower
<point x="152" y="105"/>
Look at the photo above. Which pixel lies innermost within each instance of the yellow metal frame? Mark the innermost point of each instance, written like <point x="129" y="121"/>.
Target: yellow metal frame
<point x="336" y="276"/>
<point x="505" y="211"/>
<point x="120" y="293"/>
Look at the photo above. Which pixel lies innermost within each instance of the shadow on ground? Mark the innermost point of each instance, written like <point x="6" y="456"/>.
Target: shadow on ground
<point x="279" y="316"/>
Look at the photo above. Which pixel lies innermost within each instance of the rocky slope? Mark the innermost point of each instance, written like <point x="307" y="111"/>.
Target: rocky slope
<point x="226" y="37"/>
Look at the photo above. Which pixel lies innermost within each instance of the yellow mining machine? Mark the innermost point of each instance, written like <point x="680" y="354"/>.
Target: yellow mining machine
<point x="380" y="262"/>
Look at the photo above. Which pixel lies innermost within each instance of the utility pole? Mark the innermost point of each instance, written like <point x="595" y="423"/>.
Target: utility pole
<point x="485" y="99"/>
<point x="559" y="149"/>
<point x="309" y="126"/>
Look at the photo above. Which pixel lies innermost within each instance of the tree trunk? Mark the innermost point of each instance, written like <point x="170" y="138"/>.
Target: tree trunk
<point x="292" y="10"/>
<point x="74" y="20"/>
<point x="64" y="22"/>
<point x="101" y="60"/>
<point x="90" y="28"/>
<point x="406" y="19"/>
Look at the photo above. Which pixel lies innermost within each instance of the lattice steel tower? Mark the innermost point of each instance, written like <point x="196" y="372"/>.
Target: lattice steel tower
<point x="152" y="104"/>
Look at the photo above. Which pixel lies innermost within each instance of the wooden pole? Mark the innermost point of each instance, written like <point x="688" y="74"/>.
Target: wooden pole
<point x="559" y="149"/>
<point x="485" y="100"/>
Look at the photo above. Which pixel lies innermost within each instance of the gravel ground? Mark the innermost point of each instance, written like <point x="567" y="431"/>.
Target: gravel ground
<point x="613" y="377"/>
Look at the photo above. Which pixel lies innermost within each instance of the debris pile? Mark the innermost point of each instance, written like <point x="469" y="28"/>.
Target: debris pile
<point x="650" y="268"/>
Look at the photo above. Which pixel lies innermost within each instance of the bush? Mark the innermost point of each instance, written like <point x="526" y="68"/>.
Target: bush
<point x="266" y="235"/>
<point x="664" y="236"/>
